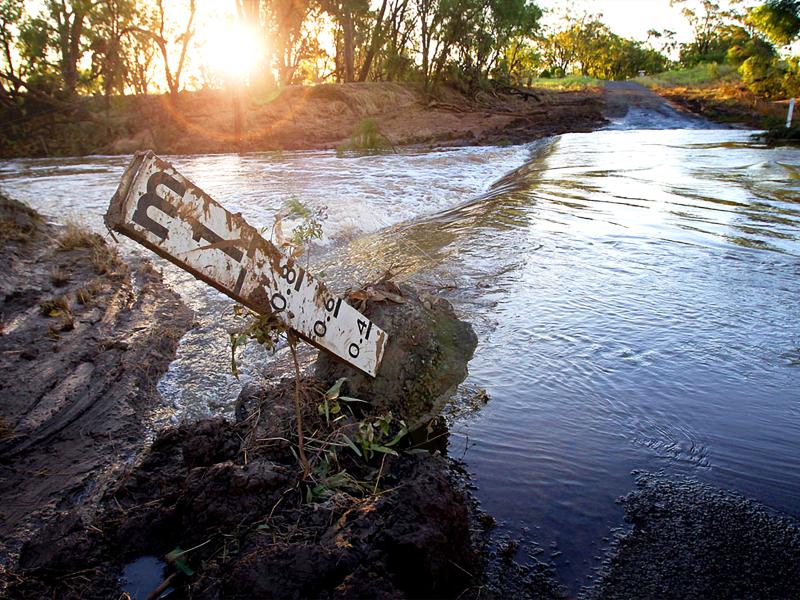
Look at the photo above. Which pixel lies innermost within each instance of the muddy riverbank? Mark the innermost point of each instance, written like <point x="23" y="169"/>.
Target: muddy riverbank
<point x="327" y="116"/>
<point x="301" y="118"/>
<point x="85" y="337"/>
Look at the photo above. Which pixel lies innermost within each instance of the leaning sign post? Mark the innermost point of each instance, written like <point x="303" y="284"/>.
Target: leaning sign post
<point x="162" y="210"/>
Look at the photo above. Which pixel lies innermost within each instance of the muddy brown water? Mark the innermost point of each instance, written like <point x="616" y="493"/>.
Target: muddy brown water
<point x="636" y="293"/>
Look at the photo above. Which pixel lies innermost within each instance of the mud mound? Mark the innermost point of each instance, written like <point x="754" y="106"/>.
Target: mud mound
<point x="255" y="530"/>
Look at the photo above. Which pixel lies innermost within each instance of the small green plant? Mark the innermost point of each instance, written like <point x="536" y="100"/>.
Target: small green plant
<point x="374" y="436"/>
<point x="333" y="401"/>
<point x="309" y="228"/>
<point x="177" y="559"/>
<point x="268" y="329"/>
<point x="330" y="479"/>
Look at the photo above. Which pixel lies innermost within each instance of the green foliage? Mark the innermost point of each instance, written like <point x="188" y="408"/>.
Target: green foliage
<point x="309" y="229"/>
<point x="572" y="82"/>
<point x="267" y="330"/>
<point x="330" y="480"/>
<point x="770" y="77"/>
<point x="366" y="139"/>
<point x="702" y="74"/>
<point x="779" y="20"/>
<point x="333" y="401"/>
<point x="177" y="558"/>
<point x="375" y="436"/>
<point x="586" y="46"/>
<point x="713" y="31"/>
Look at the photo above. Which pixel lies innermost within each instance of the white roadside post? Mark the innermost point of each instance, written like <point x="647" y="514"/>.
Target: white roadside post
<point x="790" y="114"/>
<point x="162" y="210"/>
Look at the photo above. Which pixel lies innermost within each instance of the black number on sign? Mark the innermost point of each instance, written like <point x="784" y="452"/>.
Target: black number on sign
<point x="320" y="329"/>
<point x="353" y="350"/>
<point x="330" y="303"/>
<point x="288" y="274"/>
<point x="278" y="302"/>
<point x="362" y="325"/>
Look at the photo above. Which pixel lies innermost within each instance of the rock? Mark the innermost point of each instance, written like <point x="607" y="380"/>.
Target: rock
<point x="424" y="361"/>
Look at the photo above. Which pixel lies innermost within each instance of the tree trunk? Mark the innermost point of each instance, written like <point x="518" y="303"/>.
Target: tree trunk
<point x="71" y="49"/>
<point x="349" y="49"/>
<point x="373" y="47"/>
<point x="237" y="115"/>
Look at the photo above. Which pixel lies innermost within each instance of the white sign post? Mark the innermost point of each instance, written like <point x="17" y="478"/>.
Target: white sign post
<point x="790" y="114"/>
<point x="162" y="210"/>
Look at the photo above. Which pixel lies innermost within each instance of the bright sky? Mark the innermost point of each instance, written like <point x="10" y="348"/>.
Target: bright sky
<point x="633" y="18"/>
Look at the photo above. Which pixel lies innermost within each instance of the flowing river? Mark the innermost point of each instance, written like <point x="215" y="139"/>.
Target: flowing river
<point x="635" y="291"/>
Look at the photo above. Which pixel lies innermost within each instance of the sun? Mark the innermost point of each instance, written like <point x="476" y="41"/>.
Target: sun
<point x="232" y="50"/>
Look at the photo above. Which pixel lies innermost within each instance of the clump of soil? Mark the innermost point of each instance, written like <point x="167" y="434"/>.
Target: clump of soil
<point x="256" y="529"/>
<point x="85" y="337"/>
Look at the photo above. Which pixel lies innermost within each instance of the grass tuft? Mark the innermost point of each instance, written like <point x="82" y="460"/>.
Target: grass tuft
<point x="5" y="431"/>
<point x="75" y="236"/>
<point x="55" y="307"/>
<point x="366" y="139"/>
<point x="104" y="258"/>
<point x="86" y="294"/>
<point x="59" y="277"/>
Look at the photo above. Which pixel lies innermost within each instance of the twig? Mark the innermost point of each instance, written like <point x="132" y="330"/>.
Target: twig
<point x="378" y="478"/>
<point x="161" y="587"/>
<point x="297" y="407"/>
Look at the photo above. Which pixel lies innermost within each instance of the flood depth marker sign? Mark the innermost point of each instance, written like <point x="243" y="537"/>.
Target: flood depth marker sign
<point x="165" y="212"/>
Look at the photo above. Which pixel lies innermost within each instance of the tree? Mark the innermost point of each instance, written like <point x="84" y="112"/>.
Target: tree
<point x="708" y="22"/>
<point x="159" y="35"/>
<point x="11" y="12"/>
<point x="779" y="20"/>
<point x="111" y="22"/>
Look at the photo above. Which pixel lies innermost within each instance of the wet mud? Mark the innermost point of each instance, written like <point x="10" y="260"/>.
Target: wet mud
<point x="233" y="507"/>
<point x="85" y="338"/>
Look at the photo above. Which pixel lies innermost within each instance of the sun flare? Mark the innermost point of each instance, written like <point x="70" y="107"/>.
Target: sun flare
<point x="233" y="50"/>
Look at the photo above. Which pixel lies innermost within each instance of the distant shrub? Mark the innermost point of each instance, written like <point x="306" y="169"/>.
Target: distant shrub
<point x="702" y="74"/>
<point x="571" y="82"/>
<point x="366" y="139"/>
